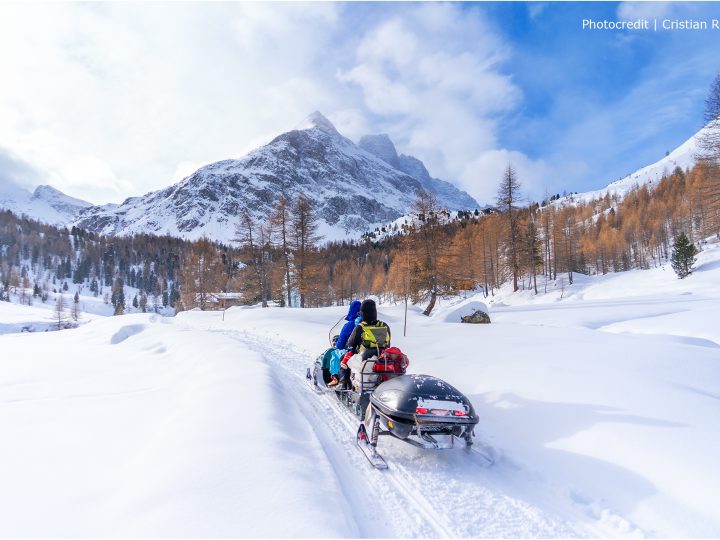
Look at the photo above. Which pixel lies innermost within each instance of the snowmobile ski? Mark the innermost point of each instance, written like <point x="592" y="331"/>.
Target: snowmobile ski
<point x="485" y="452"/>
<point x="369" y="451"/>
<point x="312" y="383"/>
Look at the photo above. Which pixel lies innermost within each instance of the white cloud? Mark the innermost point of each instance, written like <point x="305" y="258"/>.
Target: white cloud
<point x="434" y="73"/>
<point x="630" y="11"/>
<point x="110" y="100"/>
<point x="107" y="100"/>
<point x="535" y="9"/>
<point x="352" y="123"/>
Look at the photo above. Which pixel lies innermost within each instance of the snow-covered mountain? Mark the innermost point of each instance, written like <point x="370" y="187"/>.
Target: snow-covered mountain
<point x="45" y="204"/>
<point x="352" y="186"/>
<point x="451" y="196"/>
<point x="683" y="156"/>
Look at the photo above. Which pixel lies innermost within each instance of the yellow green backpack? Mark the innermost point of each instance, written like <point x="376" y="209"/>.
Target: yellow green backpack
<point x="376" y="336"/>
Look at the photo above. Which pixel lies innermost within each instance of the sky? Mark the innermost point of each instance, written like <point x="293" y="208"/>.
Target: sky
<point x="110" y="100"/>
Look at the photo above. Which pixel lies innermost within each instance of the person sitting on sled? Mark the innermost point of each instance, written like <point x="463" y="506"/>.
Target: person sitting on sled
<point x="369" y="338"/>
<point x="353" y="319"/>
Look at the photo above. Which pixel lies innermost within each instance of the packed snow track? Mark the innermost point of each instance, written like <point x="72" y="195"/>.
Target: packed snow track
<point x="424" y="493"/>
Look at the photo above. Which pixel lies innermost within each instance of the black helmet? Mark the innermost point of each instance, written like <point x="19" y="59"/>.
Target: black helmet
<point x="368" y="311"/>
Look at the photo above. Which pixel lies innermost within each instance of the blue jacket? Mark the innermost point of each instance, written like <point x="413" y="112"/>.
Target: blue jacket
<point x="352" y="320"/>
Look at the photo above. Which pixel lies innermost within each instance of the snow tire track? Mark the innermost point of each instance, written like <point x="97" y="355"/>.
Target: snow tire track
<point x="423" y="493"/>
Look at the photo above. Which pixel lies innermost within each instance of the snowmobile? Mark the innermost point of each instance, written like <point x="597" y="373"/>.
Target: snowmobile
<point x="421" y="410"/>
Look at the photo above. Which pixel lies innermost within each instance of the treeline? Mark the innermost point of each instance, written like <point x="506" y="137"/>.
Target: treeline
<point x="278" y="258"/>
<point x="434" y="254"/>
<point x="41" y="258"/>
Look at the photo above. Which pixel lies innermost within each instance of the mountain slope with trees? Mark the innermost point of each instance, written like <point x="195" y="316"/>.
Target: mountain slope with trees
<point x="352" y="190"/>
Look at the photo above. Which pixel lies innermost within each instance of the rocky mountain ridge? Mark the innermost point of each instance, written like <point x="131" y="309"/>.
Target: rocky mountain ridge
<point x="353" y="189"/>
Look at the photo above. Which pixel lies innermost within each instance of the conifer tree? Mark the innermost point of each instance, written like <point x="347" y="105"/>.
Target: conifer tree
<point x="201" y="275"/>
<point x="281" y="220"/>
<point x="709" y="140"/>
<point x="426" y="280"/>
<point x="75" y="310"/>
<point x="305" y="237"/>
<point x="118" y="297"/>
<point x="508" y="197"/>
<point x="683" y="256"/>
<point x="255" y="237"/>
<point x="60" y="313"/>
<point x="533" y="251"/>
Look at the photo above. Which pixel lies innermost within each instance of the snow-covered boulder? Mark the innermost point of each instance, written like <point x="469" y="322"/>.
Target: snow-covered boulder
<point x="478" y="317"/>
<point x="474" y="309"/>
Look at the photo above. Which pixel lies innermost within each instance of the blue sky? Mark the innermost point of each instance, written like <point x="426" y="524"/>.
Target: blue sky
<point x="110" y="100"/>
<point x="615" y="100"/>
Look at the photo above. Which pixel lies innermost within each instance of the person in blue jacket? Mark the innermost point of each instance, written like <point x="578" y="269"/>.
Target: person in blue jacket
<point x="353" y="318"/>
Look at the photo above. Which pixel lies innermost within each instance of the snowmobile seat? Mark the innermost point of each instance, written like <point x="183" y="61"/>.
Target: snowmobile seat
<point x="362" y="375"/>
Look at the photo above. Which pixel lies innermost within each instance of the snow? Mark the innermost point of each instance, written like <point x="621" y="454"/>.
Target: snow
<point x="683" y="156"/>
<point x="599" y="401"/>
<point x="127" y="427"/>
<point x="352" y="190"/>
<point x="40" y="316"/>
<point x="45" y="204"/>
<point x="18" y="318"/>
<point x="462" y="309"/>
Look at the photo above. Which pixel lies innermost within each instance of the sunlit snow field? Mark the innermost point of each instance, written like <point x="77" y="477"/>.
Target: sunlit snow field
<point x="601" y="409"/>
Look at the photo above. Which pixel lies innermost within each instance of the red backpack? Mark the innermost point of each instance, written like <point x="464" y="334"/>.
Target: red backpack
<point x="392" y="360"/>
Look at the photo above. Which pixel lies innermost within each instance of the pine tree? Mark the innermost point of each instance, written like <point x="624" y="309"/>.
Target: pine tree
<point x="59" y="313"/>
<point x="201" y="275"/>
<point x="75" y="310"/>
<point x="118" y="297"/>
<point x="305" y="225"/>
<point x="708" y="153"/>
<point x="281" y="220"/>
<point x="683" y="256"/>
<point x="533" y="251"/>
<point x="709" y="140"/>
<point x="507" y="198"/>
<point x="426" y="280"/>
<point x="255" y="238"/>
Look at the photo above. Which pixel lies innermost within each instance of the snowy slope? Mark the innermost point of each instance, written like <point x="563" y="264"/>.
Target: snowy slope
<point x="352" y="189"/>
<point x="45" y="204"/>
<point x="601" y="409"/>
<point x="683" y="156"/>
<point x="129" y="428"/>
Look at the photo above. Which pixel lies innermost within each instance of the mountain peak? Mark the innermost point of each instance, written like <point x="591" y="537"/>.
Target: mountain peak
<point x="319" y="121"/>
<point x="380" y="146"/>
<point x="55" y="197"/>
<point x="46" y="191"/>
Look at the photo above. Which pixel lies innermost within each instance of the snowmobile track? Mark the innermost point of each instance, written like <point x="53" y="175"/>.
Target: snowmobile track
<point x="437" y="494"/>
<point x="326" y="409"/>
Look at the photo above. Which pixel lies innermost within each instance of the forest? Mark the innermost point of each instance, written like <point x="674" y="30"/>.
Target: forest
<point x="280" y="259"/>
<point x="431" y="253"/>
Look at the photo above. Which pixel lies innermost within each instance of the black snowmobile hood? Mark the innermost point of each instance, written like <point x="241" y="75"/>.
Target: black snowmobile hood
<point x="402" y="396"/>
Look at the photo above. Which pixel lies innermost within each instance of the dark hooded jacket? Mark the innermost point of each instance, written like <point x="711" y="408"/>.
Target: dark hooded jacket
<point x="368" y="311"/>
<point x="352" y="320"/>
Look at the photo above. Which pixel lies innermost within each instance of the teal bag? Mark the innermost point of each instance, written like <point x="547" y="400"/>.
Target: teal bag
<point x="326" y="358"/>
<point x="335" y="357"/>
